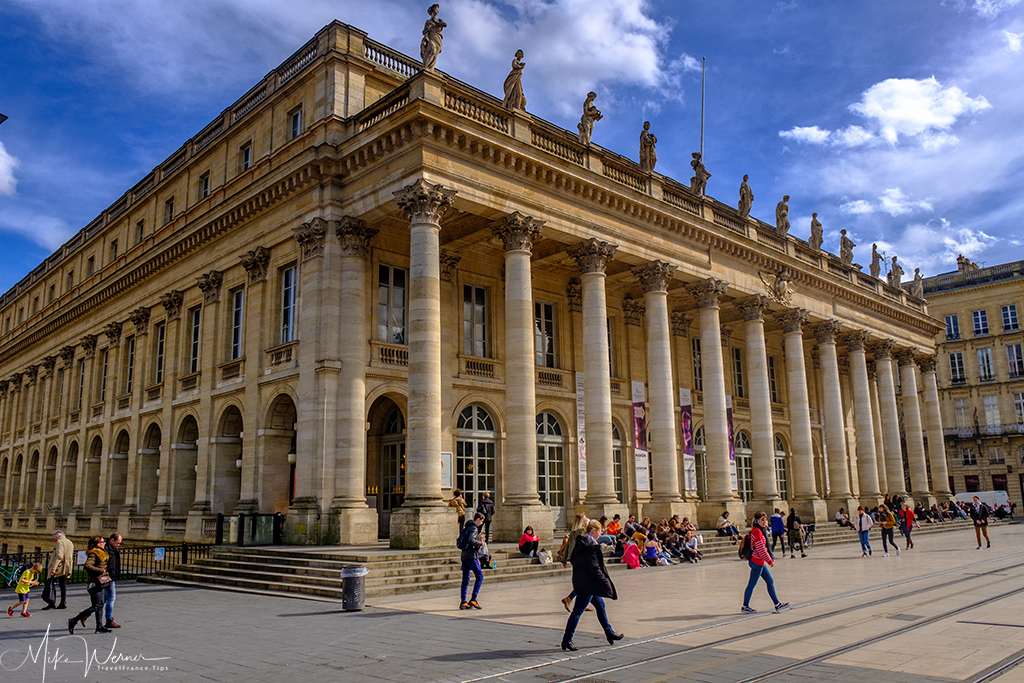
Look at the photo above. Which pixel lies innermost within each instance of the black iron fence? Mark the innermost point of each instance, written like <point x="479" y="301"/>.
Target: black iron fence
<point x="134" y="561"/>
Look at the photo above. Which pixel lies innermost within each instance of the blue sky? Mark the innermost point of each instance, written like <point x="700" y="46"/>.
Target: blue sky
<point x="899" y="121"/>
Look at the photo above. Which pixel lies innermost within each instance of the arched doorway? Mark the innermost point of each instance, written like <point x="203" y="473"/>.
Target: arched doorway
<point x="19" y="464"/>
<point x="744" y="467"/>
<point x="551" y="466"/>
<point x="385" y="461"/>
<point x="700" y="456"/>
<point x="617" y="472"/>
<point x="69" y="476"/>
<point x="149" y="468"/>
<point x="279" y="456"/>
<point x="92" y="475"/>
<point x="33" y="478"/>
<point x="118" y="473"/>
<point x="227" y="476"/>
<point x="475" y="462"/>
<point x="184" y="460"/>
<point x="781" y="470"/>
<point x="49" y="479"/>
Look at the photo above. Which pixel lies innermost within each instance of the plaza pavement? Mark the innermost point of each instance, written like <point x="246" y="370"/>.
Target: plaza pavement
<point x="839" y="599"/>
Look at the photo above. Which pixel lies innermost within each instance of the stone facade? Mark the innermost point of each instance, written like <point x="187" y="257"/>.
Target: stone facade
<point x="366" y="283"/>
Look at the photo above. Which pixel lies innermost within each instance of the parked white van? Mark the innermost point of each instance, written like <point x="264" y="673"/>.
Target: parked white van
<point x="994" y="499"/>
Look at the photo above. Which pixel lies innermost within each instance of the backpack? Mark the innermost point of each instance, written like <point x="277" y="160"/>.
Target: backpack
<point x="746" y="550"/>
<point x="460" y="542"/>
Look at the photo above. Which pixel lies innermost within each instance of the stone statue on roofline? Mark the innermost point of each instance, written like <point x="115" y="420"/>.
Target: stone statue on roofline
<point x="699" y="181"/>
<point x="917" y="286"/>
<point x="876" y="261"/>
<point x="514" y="97"/>
<point x="590" y="114"/>
<point x="846" y="246"/>
<point x="817" y="233"/>
<point x="648" y="155"/>
<point x="782" y="216"/>
<point x="746" y="197"/>
<point x="430" y="46"/>
<point x="895" y="274"/>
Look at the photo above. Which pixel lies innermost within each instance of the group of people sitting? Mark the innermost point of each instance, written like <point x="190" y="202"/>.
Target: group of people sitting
<point x="639" y="544"/>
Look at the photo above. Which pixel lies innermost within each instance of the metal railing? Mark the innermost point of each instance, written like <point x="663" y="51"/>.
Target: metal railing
<point x="134" y="561"/>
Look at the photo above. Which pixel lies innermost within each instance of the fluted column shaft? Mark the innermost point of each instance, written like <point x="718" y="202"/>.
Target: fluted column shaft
<point x="835" y="428"/>
<point x="876" y="422"/>
<point x="799" y="406"/>
<point x="933" y="420"/>
<point x="912" y="425"/>
<point x="763" y="445"/>
<point x="716" y="425"/>
<point x="867" y="468"/>
<point x="890" y="420"/>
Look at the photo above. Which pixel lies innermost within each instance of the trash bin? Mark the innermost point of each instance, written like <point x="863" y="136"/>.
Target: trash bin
<point x="353" y="588"/>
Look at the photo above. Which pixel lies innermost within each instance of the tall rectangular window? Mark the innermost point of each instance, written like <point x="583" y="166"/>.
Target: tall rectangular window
<point x="956" y="368"/>
<point x="773" y="387"/>
<point x="295" y="123"/>
<point x="140" y="231"/>
<point x="245" y="154"/>
<point x="952" y="327"/>
<point x="52" y="295"/>
<point x="103" y="375"/>
<point x="71" y="280"/>
<point x="698" y="379"/>
<point x="90" y="266"/>
<point x="113" y="250"/>
<point x="1010" y="318"/>
<point x="204" y="186"/>
<point x="169" y="210"/>
<point x="391" y="304"/>
<point x="544" y="333"/>
<point x="289" y="298"/>
<point x="980" y="322"/>
<point x="611" y="355"/>
<point x="1018" y="407"/>
<point x="237" y="311"/>
<point x="195" y="317"/>
<point x="158" y="355"/>
<point x="985" y="373"/>
<point x="995" y="457"/>
<point x="60" y="390"/>
<point x="960" y="410"/>
<point x="35" y="305"/>
<point x="129" y="366"/>
<point x="81" y="385"/>
<point x="1015" y="360"/>
<point x="991" y="404"/>
<point x="474" y="321"/>
<point x="737" y="372"/>
<point x="967" y="457"/>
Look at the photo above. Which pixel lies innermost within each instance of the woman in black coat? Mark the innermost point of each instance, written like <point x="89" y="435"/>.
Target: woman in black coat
<point x="592" y="584"/>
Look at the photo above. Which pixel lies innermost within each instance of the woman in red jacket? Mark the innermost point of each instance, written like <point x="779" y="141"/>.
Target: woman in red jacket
<point x="759" y="562"/>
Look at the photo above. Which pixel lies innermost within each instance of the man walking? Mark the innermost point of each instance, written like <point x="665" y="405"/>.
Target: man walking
<point x="470" y="544"/>
<point x="486" y="508"/>
<point x="63" y="565"/>
<point x="979" y="513"/>
<point x="778" y="528"/>
<point x="864" y="524"/>
<point x="796" y="533"/>
<point x="114" y="572"/>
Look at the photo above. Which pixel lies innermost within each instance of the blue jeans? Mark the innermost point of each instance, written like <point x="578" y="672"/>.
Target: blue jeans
<point x="756" y="572"/>
<point x="467" y="567"/>
<point x="865" y="545"/>
<point x="582" y="601"/>
<point x="109" y="595"/>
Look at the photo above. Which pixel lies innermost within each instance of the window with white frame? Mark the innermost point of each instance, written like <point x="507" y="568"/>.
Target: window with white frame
<point x="968" y="457"/>
<point x="1010" y="318"/>
<point x="140" y="231"/>
<point x="289" y="300"/>
<point x="698" y="380"/>
<point x="737" y="372"/>
<point x="960" y="411"/>
<point x="952" y="327"/>
<point x="773" y="386"/>
<point x="295" y="123"/>
<point x="160" y="332"/>
<point x="391" y="284"/>
<point x="129" y="365"/>
<point x="237" y="311"/>
<point x="980" y="322"/>
<point x="991" y="404"/>
<point x="103" y="375"/>
<point x="544" y="334"/>
<point x="985" y="373"/>
<point x="1015" y="360"/>
<point x="81" y="384"/>
<point x="204" y="186"/>
<point x="113" y="250"/>
<point x="474" y="321"/>
<point x="995" y="456"/>
<point x="169" y="210"/>
<point x="60" y="390"/>
<point x="245" y="156"/>
<point x="956" y="368"/>
<point x="1018" y="406"/>
<point x="195" y="318"/>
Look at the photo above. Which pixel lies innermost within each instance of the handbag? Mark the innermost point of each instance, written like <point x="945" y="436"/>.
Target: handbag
<point x="544" y="557"/>
<point x="48" y="591"/>
<point x="104" y="580"/>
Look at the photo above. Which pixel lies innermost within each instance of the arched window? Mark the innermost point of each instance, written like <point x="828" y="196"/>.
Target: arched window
<point x="744" y="467"/>
<point x="781" y="476"/>
<point x="551" y="465"/>
<point x="475" y="466"/>
<point x="700" y="454"/>
<point x="617" y="462"/>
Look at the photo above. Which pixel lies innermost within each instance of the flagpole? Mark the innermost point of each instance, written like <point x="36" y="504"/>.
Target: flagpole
<point x="703" y="63"/>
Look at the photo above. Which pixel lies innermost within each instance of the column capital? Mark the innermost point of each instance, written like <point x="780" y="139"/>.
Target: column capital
<point x="575" y="293"/>
<point x="753" y="307"/>
<point x="31" y="374"/>
<point x="210" y="285"/>
<point x="423" y="202"/>
<point x="256" y="264"/>
<point x="793" y="319"/>
<point x="16" y="380"/>
<point x="517" y="232"/>
<point x="883" y="349"/>
<point x="856" y="340"/>
<point x="871" y="369"/>
<point x="654" y="276"/>
<point x="815" y="358"/>
<point x="708" y="292"/>
<point x="354" y="236"/>
<point x="592" y="256"/>
<point x="67" y="356"/>
<point x="140" y="319"/>
<point x="310" y="237"/>
<point x="449" y="262"/>
<point x="844" y="365"/>
<point x="927" y="363"/>
<point x="826" y="332"/>
<point x="632" y="311"/>
<point x="113" y="334"/>
<point x="49" y="362"/>
<point x="3" y="388"/>
<point x="171" y="301"/>
<point x="680" y="324"/>
<point x="905" y="356"/>
<point x="726" y="334"/>
<point x="88" y="343"/>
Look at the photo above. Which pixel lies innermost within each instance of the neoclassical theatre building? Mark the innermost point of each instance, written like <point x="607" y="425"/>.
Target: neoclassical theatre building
<point x="366" y="283"/>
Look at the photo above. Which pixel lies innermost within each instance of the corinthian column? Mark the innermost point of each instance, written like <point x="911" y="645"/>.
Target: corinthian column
<point x="592" y="258"/>
<point x="890" y="418"/>
<point x="421" y="522"/>
<point x="933" y="422"/>
<point x="522" y="506"/>
<point x="876" y="422"/>
<point x="667" y="499"/>
<point x="867" y="466"/>
<point x="912" y="429"/>
<point x="835" y="428"/>
<point x="805" y="494"/>
<point x="766" y="489"/>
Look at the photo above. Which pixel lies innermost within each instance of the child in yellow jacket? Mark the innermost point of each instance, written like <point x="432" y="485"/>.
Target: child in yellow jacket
<point x="25" y="582"/>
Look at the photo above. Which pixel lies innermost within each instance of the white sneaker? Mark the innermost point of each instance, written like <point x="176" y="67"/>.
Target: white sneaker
<point x="885" y="554"/>
<point x="897" y="551"/>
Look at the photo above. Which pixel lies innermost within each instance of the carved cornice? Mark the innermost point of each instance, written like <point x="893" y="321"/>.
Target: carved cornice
<point x="905" y="356"/>
<point x="171" y="301"/>
<point x="654" y="276"/>
<point x="310" y="237"/>
<point x="424" y="203"/>
<point x="632" y="311"/>
<point x="680" y="324"/>
<point x="67" y="356"/>
<point x="575" y="293"/>
<point x="31" y="374"/>
<point x="708" y="292"/>
<point x="883" y="349"/>
<point x="517" y="232"/>
<point x="256" y="264"/>
<point x="449" y="263"/>
<point x="355" y="236"/>
<point x="140" y="319"/>
<point x="88" y="343"/>
<point x="210" y="285"/>
<point x="49" y="362"/>
<point x="753" y="307"/>
<point x="592" y="256"/>
<point x="825" y="332"/>
<point x="856" y="340"/>
<point x="793" y="320"/>
<point x="927" y="363"/>
<point x="113" y="334"/>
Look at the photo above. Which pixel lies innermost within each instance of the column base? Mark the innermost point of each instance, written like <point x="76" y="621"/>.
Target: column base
<point x="812" y="511"/>
<point x="416" y="528"/>
<point x="510" y="521"/>
<point x="767" y="505"/>
<point x="351" y="526"/>
<point x="710" y="510"/>
<point x="597" y="510"/>
<point x="302" y="523"/>
<point x="848" y="503"/>
<point x="657" y="510"/>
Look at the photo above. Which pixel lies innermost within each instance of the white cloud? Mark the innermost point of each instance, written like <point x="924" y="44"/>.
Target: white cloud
<point x="895" y="203"/>
<point x="992" y="8"/>
<point x="858" y="206"/>
<point x="809" y="134"/>
<point x="852" y="136"/>
<point x="934" y="246"/>
<point x="8" y="165"/>
<point x="1013" y="41"/>
<point x="41" y="228"/>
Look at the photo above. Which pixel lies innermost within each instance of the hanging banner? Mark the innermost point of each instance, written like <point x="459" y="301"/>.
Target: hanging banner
<point x="732" y="444"/>
<point x="581" y="432"/>
<point x="640" y="462"/>
<point x="689" y="456"/>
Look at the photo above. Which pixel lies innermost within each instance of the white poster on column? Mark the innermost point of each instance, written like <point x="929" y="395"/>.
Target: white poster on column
<point x="581" y="432"/>
<point x="689" y="456"/>
<point x="732" y="444"/>
<point x="640" y="462"/>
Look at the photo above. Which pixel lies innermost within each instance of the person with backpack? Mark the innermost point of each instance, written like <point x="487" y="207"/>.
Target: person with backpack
<point x="591" y="583"/>
<point x="471" y="545"/>
<point x="864" y="524"/>
<point x="796" y="533"/>
<point x="486" y="508"/>
<point x="778" y="528"/>
<point x="755" y="550"/>
<point x="887" y="522"/>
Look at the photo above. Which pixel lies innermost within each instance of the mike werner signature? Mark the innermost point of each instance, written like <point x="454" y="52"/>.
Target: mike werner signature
<point x="69" y="650"/>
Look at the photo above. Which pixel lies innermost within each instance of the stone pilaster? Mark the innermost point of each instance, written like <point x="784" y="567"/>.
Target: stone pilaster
<point x="867" y="466"/>
<point x="921" y="491"/>
<point x="933" y="422"/>
<point x="890" y="418"/>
